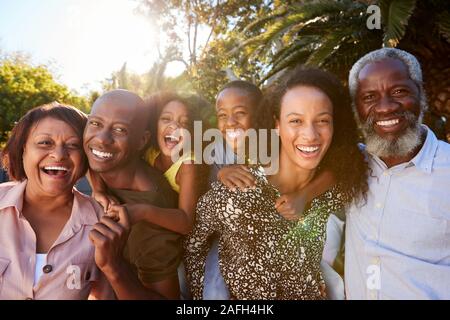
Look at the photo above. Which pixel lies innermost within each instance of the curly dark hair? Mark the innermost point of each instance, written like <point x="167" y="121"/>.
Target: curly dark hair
<point x="343" y="158"/>
<point x="195" y="105"/>
<point x="158" y="101"/>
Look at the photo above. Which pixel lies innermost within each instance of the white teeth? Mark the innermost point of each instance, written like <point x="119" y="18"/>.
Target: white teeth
<point x="233" y="134"/>
<point x="56" y="168"/>
<point x="173" y="138"/>
<point x="307" y="149"/>
<point x="387" y="122"/>
<point x="104" y="155"/>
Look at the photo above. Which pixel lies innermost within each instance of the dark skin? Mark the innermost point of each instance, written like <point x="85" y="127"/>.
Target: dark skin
<point x="234" y="111"/>
<point x="179" y="219"/>
<point x="48" y="198"/>
<point x="385" y="91"/>
<point x="113" y="138"/>
<point x="174" y="116"/>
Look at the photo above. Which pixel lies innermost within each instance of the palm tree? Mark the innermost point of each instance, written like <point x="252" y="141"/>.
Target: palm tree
<point x="334" y="34"/>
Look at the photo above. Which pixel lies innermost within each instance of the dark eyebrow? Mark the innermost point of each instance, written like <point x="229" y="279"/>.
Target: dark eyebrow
<point x="293" y="114"/>
<point x="44" y="134"/>
<point x="90" y="117"/>
<point x="299" y="114"/>
<point x="240" y="106"/>
<point x="401" y="86"/>
<point x="50" y="135"/>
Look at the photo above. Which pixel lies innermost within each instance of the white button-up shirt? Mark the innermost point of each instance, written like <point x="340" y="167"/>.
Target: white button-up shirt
<point x="398" y="242"/>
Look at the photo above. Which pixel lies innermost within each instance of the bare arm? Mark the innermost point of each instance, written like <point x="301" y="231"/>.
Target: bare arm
<point x="236" y="176"/>
<point x="319" y="185"/>
<point x="291" y="205"/>
<point x="178" y="220"/>
<point x="99" y="190"/>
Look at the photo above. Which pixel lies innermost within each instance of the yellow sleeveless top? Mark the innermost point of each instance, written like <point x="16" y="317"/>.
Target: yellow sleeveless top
<point x="150" y="156"/>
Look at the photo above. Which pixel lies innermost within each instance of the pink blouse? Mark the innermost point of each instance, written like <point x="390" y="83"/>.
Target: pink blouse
<point x="69" y="271"/>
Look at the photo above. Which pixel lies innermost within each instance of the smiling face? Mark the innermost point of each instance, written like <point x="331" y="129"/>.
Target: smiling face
<point x="388" y="105"/>
<point x="53" y="158"/>
<point x="305" y="126"/>
<point x="114" y="135"/>
<point x="174" y="116"/>
<point x="234" y="115"/>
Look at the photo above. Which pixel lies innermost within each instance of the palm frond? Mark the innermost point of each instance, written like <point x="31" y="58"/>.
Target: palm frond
<point x="395" y="15"/>
<point x="275" y="29"/>
<point x="300" y="43"/>
<point x="283" y="20"/>
<point x="261" y="22"/>
<point x="296" y="57"/>
<point x="443" y="23"/>
<point x="329" y="45"/>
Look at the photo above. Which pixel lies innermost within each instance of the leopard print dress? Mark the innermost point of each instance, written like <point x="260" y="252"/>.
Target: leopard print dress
<point x="261" y="254"/>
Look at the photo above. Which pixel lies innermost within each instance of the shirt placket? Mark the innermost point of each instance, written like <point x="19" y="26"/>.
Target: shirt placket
<point x="383" y="183"/>
<point x="28" y="258"/>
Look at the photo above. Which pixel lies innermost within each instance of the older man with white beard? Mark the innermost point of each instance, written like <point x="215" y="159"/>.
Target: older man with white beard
<point x="398" y="240"/>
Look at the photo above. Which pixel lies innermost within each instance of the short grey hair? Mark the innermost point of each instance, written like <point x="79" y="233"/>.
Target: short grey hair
<point x="411" y="63"/>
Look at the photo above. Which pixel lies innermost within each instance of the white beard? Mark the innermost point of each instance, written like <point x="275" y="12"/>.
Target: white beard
<point x="400" y="147"/>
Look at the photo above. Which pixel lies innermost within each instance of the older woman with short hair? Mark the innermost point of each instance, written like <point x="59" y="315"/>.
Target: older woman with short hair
<point x="45" y="251"/>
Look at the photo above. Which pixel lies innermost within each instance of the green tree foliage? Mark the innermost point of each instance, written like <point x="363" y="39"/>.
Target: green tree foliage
<point x="24" y="86"/>
<point x="147" y="83"/>
<point x="209" y="63"/>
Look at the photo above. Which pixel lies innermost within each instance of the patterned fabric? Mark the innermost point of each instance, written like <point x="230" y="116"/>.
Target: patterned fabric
<point x="261" y="254"/>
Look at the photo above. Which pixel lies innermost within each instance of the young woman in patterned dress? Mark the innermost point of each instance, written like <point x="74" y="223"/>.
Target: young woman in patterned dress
<point x="261" y="254"/>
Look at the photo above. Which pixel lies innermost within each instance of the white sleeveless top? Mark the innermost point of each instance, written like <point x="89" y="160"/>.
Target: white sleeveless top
<point x="41" y="259"/>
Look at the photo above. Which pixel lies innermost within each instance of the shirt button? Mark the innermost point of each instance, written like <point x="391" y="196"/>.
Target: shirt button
<point x="47" y="268"/>
<point x="373" y="295"/>
<point x="378" y="205"/>
<point x="375" y="260"/>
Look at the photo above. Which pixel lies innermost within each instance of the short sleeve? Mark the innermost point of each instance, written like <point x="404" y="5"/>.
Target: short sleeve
<point x="154" y="252"/>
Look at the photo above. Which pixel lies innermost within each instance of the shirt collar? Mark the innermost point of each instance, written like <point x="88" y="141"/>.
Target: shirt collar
<point x="14" y="196"/>
<point x="83" y="212"/>
<point x="424" y="159"/>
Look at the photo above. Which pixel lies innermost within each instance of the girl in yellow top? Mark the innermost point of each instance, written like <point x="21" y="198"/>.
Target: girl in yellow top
<point x="170" y="113"/>
<point x="171" y="174"/>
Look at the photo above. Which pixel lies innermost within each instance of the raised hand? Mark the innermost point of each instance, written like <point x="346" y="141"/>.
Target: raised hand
<point x="104" y="199"/>
<point x="291" y="205"/>
<point x="109" y="237"/>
